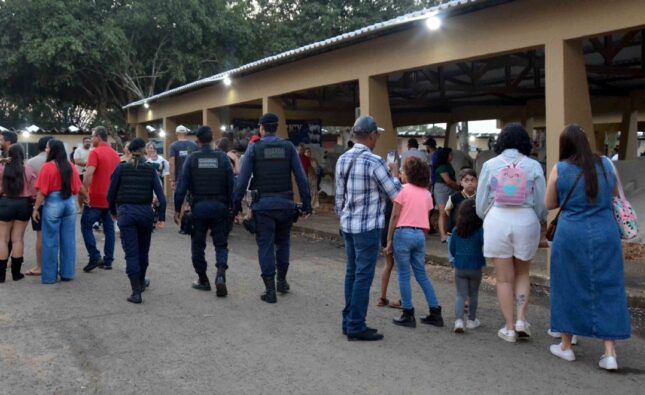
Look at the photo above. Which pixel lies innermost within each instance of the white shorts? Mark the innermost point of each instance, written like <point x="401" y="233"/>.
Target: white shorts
<point x="511" y="232"/>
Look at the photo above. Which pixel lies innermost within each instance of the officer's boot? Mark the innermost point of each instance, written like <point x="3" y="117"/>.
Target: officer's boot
<point x="202" y="284"/>
<point x="3" y="269"/>
<point x="16" y="266"/>
<point x="282" y="285"/>
<point x="407" y="319"/>
<point x="144" y="281"/>
<point x="135" y="283"/>
<point x="220" y="283"/>
<point x="269" y="283"/>
<point x="434" y="318"/>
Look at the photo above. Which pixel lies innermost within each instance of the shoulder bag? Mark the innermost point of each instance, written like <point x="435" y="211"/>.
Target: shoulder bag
<point x="550" y="231"/>
<point x="624" y="212"/>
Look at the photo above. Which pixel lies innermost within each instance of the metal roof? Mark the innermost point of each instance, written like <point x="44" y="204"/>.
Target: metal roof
<point x="320" y="46"/>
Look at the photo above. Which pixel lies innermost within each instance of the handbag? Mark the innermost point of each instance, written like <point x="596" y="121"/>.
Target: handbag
<point x="550" y="231"/>
<point x="624" y="212"/>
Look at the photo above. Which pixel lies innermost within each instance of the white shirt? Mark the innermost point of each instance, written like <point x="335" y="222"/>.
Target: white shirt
<point x="81" y="154"/>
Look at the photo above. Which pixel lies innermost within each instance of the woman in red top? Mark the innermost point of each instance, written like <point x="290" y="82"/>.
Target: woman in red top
<point x="58" y="183"/>
<point x="16" y="196"/>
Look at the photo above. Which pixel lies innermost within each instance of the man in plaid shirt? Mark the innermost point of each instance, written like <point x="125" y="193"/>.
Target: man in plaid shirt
<point x="363" y="184"/>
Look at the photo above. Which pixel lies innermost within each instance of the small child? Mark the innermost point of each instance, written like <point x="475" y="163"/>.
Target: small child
<point x="468" y="181"/>
<point x="466" y="246"/>
<point x="406" y="237"/>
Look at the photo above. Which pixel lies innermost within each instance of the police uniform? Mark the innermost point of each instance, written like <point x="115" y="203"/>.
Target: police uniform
<point x="130" y="197"/>
<point x="208" y="176"/>
<point x="271" y="161"/>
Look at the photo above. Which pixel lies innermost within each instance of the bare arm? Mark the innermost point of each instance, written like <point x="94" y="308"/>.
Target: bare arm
<point x="551" y="196"/>
<point x="394" y="219"/>
<point x="449" y="181"/>
<point x="87" y="177"/>
<point x="171" y="163"/>
<point x="35" y="215"/>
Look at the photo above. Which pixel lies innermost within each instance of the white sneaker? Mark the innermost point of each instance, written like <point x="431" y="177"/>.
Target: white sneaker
<point x="567" y="355"/>
<point x="473" y="324"/>
<point x="459" y="326"/>
<point x="507" y="334"/>
<point x="558" y="335"/>
<point x="608" y="363"/>
<point x="523" y="329"/>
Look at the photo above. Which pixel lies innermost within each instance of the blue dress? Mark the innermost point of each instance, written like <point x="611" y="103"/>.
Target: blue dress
<point x="587" y="278"/>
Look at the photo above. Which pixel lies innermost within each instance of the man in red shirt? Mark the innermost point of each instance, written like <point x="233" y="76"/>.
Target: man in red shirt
<point x="100" y="165"/>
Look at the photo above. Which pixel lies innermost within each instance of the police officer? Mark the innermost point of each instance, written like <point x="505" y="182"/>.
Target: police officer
<point x="208" y="176"/>
<point x="271" y="161"/>
<point x="130" y="198"/>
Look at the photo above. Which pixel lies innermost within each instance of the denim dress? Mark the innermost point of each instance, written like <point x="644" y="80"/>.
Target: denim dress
<point x="587" y="279"/>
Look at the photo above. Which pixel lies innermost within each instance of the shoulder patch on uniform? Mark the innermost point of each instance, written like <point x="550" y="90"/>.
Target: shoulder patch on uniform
<point x="207" y="163"/>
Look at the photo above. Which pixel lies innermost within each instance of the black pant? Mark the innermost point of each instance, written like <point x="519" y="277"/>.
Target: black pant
<point x="135" y="227"/>
<point x="210" y="216"/>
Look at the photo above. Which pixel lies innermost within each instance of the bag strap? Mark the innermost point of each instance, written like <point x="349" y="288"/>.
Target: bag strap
<point x="621" y="191"/>
<point x="349" y="170"/>
<point x="566" y="199"/>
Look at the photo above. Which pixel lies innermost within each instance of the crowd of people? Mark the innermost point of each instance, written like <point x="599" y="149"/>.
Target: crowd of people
<point x="495" y="215"/>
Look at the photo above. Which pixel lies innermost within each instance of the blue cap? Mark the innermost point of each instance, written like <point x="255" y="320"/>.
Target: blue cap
<point x="366" y="124"/>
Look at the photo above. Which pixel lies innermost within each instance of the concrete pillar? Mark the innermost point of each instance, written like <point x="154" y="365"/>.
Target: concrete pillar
<point x="451" y="135"/>
<point x="211" y="118"/>
<point x="274" y="105"/>
<point x="464" y="138"/>
<point x="375" y="101"/>
<point x="529" y="125"/>
<point x="169" y="126"/>
<point x="140" y="131"/>
<point x="629" y="136"/>
<point x="567" y="94"/>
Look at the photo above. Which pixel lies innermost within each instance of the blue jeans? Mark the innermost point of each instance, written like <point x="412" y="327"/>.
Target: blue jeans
<point x="410" y="252"/>
<point x="451" y="259"/>
<point x="59" y="238"/>
<point x="135" y="226"/>
<point x="273" y="236"/>
<point x="210" y="216"/>
<point x="362" y="251"/>
<point x="88" y="218"/>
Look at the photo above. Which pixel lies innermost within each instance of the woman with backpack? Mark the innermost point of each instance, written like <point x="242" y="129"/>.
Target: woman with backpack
<point x="510" y="200"/>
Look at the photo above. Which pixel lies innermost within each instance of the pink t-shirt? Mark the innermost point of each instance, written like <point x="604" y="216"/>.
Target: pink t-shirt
<point x="416" y="203"/>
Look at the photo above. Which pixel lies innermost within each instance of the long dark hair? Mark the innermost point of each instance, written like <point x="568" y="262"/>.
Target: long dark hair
<point x="514" y="136"/>
<point x="443" y="156"/>
<point x="13" y="178"/>
<point x="58" y="154"/>
<point x="468" y="222"/>
<point x="575" y="149"/>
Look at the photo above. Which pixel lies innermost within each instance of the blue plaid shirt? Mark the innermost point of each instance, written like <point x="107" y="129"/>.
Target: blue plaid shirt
<point x="368" y="186"/>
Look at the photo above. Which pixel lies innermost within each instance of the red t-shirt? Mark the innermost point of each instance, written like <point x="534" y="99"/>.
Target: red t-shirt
<point x="306" y="163"/>
<point x="105" y="160"/>
<point x="49" y="179"/>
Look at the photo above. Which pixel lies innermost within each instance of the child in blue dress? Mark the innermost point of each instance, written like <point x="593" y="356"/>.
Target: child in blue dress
<point x="466" y="246"/>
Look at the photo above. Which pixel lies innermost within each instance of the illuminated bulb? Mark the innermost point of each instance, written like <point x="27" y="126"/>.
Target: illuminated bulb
<point x="227" y="81"/>
<point x="433" y="23"/>
<point x="25" y="134"/>
<point x="472" y="139"/>
<point x="222" y="128"/>
<point x="146" y="105"/>
<point x="162" y="134"/>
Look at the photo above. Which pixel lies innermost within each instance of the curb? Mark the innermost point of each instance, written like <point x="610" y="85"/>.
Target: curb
<point x="635" y="297"/>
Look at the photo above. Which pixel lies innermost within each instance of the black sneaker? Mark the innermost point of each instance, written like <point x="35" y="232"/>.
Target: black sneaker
<point x="106" y="267"/>
<point x="93" y="265"/>
<point x="372" y="330"/>
<point x="202" y="285"/>
<point x="365" y="336"/>
<point x="220" y="285"/>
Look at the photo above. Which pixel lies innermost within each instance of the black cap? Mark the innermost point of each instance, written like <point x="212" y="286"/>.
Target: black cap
<point x="136" y="144"/>
<point x="269" y="118"/>
<point x="430" y="142"/>
<point x="366" y="124"/>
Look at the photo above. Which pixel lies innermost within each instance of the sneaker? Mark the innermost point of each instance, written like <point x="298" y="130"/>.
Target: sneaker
<point x="459" y="326"/>
<point x="473" y="324"/>
<point x="93" y="265"/>
<point x="523" y="329"/>
<point x="608" y="363"/>
<point x="507" y="334"/>
<point x="567" y="355"/>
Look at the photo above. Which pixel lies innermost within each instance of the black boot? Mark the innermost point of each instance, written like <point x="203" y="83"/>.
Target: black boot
<point x="145" y="282"/>
<point x="135" y="283"/>
<point x="16" y="266"/>
<point x="202" y="284"/>
<point x="220" y="283"/>
<point x="282" y="285"/>
<point x="269" y="296"/>
<point x="407" y="319"/>
<point x="434" y="318"/>
<point x="3" y="269"/>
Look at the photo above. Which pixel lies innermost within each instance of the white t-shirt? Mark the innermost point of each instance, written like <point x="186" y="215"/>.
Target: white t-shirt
<point x="81" y="154"/>
<point x="160" y="165"/>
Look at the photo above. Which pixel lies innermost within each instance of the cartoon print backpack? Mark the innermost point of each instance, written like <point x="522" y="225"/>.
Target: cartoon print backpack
<point x="511" y="187"/>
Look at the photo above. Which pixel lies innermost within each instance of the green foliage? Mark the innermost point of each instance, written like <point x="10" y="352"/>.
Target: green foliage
<point x="94" y="56"/>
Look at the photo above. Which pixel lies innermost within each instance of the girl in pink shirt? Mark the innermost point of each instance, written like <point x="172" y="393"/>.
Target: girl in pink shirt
<point x="406" y="237"/>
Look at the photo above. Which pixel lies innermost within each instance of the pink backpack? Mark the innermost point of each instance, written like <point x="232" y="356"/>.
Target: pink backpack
<point x="510" y="187"/>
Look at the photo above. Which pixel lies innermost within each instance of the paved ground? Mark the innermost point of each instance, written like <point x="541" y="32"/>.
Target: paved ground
<point x="83" y="337"/>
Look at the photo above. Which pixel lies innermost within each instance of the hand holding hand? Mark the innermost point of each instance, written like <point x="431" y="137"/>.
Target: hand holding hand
<point x="35" y="215"/>
<point x="388" y="248"/>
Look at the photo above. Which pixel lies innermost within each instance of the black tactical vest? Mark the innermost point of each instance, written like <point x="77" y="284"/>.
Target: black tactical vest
<point x="136" y="186"/>
<point x="272" y="169"/>
<point x="209" y="178"/>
